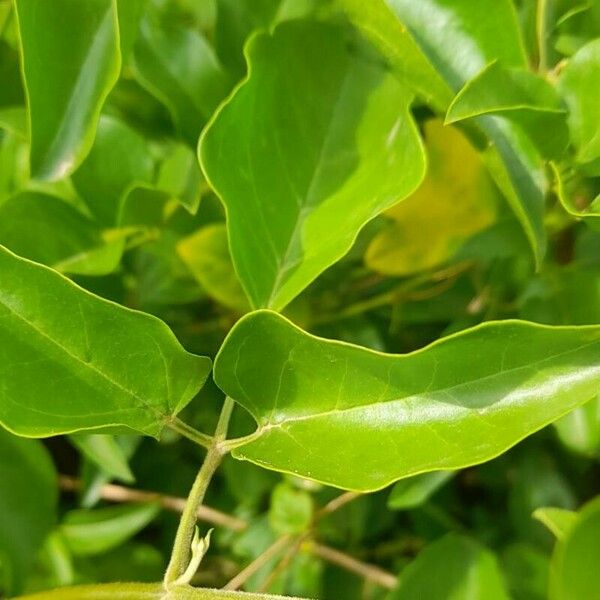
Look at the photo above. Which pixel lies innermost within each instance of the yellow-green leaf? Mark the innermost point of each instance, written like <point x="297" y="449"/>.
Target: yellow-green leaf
<point x="456" y="200"/>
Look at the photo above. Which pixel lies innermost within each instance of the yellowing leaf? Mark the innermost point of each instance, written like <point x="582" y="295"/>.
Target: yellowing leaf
<point x="206" y="255"/>
<point x="456" y="200"/>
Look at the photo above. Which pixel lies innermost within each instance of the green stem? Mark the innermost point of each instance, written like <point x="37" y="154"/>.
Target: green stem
<point x="190" y="433"/>
<point x="542" y="34"/>
<point x="180" y="556"/>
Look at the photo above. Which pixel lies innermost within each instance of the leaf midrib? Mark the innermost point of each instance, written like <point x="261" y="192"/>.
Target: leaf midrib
<point x="283" y="266"/>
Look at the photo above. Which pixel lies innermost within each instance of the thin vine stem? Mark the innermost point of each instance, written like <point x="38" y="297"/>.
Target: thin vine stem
<point x="278" y="546"/>
<point x="185" y="430"/>
<point x="181" y="554"/>
<point x="541" y="34"/>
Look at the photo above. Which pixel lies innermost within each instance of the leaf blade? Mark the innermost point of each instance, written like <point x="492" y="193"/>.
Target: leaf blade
<point x="292" y="183"/>
<point x="53" y="332"/>
<point x="391" y="416"/>
<point x="70" y="65"/>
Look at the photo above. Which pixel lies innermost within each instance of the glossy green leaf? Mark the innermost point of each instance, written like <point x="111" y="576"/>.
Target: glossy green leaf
<point x="51" y="231"/>
<point x="144" y="591"/>
<point x="314" y="161"/>
<point x="459" y="38"/>
<point x="580" y="429"/>
<point x="70" y="64"/>
<point x="520" y="96"/>
<point x="576" y="557"/>
<point x="414" y="491"/>
<point x="579" y="85"/>
<point x="27" y="506"/>
<point x="94" y="531"/>
<point x="118" y="159"/>
<point x="453" y="568"/>
<point x="79" y="362"/>
<point x="485" y="31"/>
<point x="179" y="67"/>
<point x="104" y="451"/>
<point x="206" y="254"/>
<point x="456" y="200"/>
<point x="376" y="20"/>
<point x="558" y="520"/>
<point x="391" y="416"/>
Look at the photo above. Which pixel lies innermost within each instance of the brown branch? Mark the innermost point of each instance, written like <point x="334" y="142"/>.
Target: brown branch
<point x="273" y="550"/>
<point x="336" y="504"/>
<point x="370" y="572"/>
<point x="118" y="493"/>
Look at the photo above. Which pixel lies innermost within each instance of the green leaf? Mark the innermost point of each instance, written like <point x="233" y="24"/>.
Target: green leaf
<point x="315" y="158"/>
<point x="236" y="20"/>
<point x="376" y="20"/>
<point x="206" y="254"/>
<point x="558" y="520"/>
<point x="579" y="196"/>
<point x="70" y="64"/>
<point x="483" y="32"/>
<point x="28" y="500"/>
<point x="130" y="13"/>
<point x="459" y="38"/>
<point x="520" y="96"/>
<point x="51" y="231"/>
<point x="414" y="491"/>
<point x="455" y="568"/>
<point x="390" y="416"/>
<point x="526" y="569"/>
<point x="89" y="532"/>
<point x="578" y="84"/>
<point x="178" y="67"/>
<point x="291" y="510"/>
<point x="143" y="206"/>
<point x="580" y="429"/>
<point x="11" y="93"/>
<point x="80" y="362"/>
<point x="143" y="591"/>
<point x="573" y="571"/>
<point x="106" y="453"/>
<point x="456" y="200"/>
<point x="118" y="159"/>
<point x="180" y="176"/>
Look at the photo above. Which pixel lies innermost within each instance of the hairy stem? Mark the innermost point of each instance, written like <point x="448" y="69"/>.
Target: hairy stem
<point x="180" y="556"/>
<point x="119" y="493"/>
<point x="190" y="433"/>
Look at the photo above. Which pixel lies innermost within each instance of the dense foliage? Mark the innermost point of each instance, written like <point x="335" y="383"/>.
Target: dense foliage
<point x="323" y="275"/>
